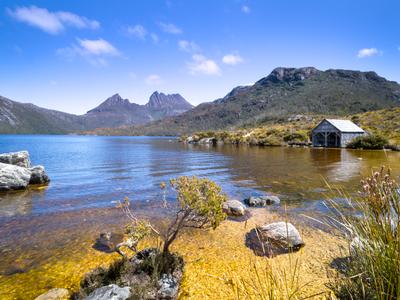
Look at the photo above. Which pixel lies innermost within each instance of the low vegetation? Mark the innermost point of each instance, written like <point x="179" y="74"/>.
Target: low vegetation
<point x="373" y="267"/>
<point x="370" y="141"/>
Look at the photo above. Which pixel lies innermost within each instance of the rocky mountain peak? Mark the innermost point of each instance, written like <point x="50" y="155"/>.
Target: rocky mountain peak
<point x="281" y="74"/>
<point x="160" y="100"/>
<point x="111" y="103"/>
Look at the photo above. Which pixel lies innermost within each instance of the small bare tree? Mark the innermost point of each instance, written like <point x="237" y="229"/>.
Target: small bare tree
<point x="199" y="205"/>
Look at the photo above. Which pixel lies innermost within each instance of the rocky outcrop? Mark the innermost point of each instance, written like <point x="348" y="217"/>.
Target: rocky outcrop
<point x="281" y="233"/>
<point x="260" y="201"/>
<point x="168" y="287"/>
<point x="13" y="177"/>
<point x="55" y="294"/>
<point x="16" y="173"/>
<point x="110" y="292"/>
<point x="234" y="208"/>
<point x="20" y="159"/>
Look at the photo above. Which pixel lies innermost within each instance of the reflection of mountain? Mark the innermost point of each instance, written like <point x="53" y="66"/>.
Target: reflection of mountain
<point x="15" y="204"/>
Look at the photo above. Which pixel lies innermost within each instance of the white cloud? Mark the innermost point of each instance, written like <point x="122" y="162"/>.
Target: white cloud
<point x="51" y="22"/>
<point x="203" y="65"/>
<point x="170" y="28"/>
<point x="154" y="37"/>
<point x="232" y="59"/>
<point x="367" y="52"/>
<point x="245" y="9"/>
<point x="94" y="51"/>
<point x="153" y="79"/>
<point x="188" y="46"/>
<point x="137" y="30"/>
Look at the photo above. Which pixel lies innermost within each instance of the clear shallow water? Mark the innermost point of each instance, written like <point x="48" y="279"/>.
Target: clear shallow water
<point x="46" y="233"/>
<point x="92" y="172"/>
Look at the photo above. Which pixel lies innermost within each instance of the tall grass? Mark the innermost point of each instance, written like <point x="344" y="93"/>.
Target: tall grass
<point x="372" y="271"/>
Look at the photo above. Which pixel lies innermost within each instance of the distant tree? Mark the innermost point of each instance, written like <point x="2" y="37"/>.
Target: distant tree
<point x="199" y="205"/>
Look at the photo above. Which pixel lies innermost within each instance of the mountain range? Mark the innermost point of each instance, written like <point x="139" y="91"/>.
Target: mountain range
<point x="284" y="92"/>
<point x="276" y="97"/>
<point x="16" y="117"/>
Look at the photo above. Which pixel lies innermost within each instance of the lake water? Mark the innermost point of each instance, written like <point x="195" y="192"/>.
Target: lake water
<point x="88" y="174"/>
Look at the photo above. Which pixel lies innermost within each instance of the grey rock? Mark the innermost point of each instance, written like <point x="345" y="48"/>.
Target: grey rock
<point x="39" y="175"/>
<point x="110" y="292"/>
<point x="168" y="287"/>
<point x="281" y="233"/>
<point x="262" y="200"/>
<point x="234" y="208"/>
<point x="55" y="294"/>
<point x="20" y="159"/>
<point x="13" y="177"/>
<point x="210" y="140"/>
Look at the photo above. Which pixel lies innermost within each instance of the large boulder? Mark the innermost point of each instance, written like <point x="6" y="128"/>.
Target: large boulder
<point x="110" y="292"/>
<point x="13" y="177"/>
<point x="55" y="294"/>
<point x="210" y="140"/>
<point x="20" y="159"/>
<point x="234" y="208"/>
<point x="281" y="233"/>
<point x="262" y="200"/>
<point x="168" y="287"/>
<point x="38" y="175"/>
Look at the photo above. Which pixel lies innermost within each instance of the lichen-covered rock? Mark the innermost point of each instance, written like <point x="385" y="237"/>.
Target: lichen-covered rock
<point x="262" y="200"/>
<point x="110" y="292"/>
<point x="20" y="159"/>
<point x="234" y="208"/>
<point x="281" y="233"/>
<point x="55" y="294"/>
<point x="38" y="175"/>
<point x="13" y="177"/>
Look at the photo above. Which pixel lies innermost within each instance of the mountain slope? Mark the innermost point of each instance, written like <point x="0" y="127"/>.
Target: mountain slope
<point x="16" y="117"/>
<point x="284" y="92"/>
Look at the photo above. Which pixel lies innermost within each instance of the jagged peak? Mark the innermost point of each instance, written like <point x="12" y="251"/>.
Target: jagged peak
<point x="160" y="100"/>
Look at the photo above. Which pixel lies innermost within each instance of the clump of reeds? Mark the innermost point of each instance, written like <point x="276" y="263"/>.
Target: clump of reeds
<point x="372" y="271"/>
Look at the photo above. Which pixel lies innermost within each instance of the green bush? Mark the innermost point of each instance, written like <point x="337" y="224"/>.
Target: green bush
<point x="370" y="141"/>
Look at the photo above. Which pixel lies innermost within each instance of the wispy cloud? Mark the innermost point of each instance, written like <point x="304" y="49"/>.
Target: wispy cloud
<point x="203" y="65"/>
<point x="170" y="28"/>
<point x="188" y="46"/>
<point x="368" y="52"/>
<point x="138" y="31"/>
<point x="246" y="9"/>
<point x="94" y="51"/>
<point x="232" y="59"/>
<point x="155" y="38"/>
<point x="153" y="79"/>
<point x="51" y="22"/>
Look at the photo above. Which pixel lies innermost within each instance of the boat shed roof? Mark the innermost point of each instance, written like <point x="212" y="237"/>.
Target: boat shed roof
<point x="345" y="125"/>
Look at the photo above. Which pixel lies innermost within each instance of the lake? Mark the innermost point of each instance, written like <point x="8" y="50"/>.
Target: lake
<point x="89" y="174"/>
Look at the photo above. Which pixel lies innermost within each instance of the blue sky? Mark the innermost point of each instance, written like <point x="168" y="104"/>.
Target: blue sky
<point x="71" y="55"/>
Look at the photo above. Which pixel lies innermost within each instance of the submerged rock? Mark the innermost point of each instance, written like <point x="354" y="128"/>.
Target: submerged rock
<point x="55" y="294"/>
<point x="13" y="177"/>
<point x="262" y="200"/>
<point x="38" y="175"/>
<point x="167" y="287"/>
<point x="20" y="159"/>
<point x="110" y="292"/>
<point x="281" y="233"/>
<point x="234" y="208"/>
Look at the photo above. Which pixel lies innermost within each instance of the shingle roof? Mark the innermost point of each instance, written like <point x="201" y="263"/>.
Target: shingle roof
<point x="345" y="125"/>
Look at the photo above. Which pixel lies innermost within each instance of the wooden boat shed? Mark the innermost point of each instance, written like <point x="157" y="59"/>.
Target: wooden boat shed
<point x="335" y="133"/>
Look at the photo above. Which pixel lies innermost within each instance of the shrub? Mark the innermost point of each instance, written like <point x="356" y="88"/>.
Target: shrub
<point x="298" y="136"/>
<point x="373" y="267"/>
<point x="368" y="142"/>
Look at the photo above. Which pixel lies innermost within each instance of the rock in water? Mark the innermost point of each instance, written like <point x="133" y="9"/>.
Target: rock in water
<point x="168" y="287"/>
<point x="262" y="200"/>
<point x="234" y="208"/>
<point x="110" y="292"/>
<point x="55" y="294"/>
<point x="281" y="233"/>
<point x="20" y="159"/>
<point x="13" y="177"/>
<point x="39" y="175"/>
